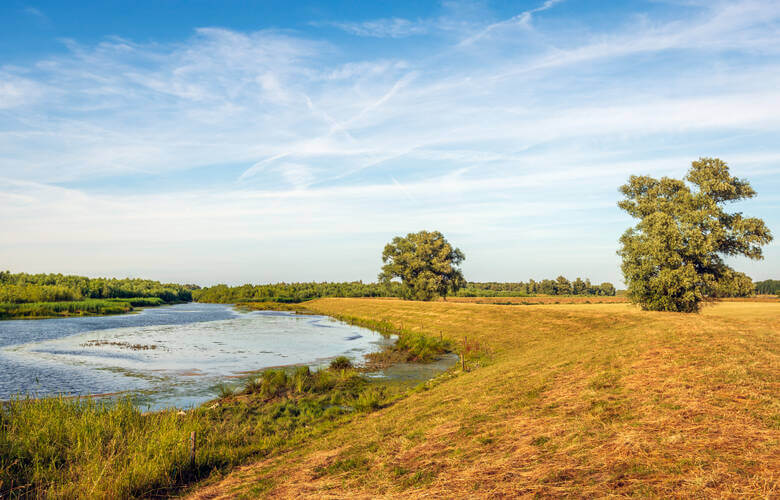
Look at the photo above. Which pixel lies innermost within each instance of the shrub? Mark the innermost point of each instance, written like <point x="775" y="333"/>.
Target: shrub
<point x="341" y="363"/>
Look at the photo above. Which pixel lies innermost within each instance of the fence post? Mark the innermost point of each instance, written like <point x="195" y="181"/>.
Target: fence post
<point x="192" y="449"/>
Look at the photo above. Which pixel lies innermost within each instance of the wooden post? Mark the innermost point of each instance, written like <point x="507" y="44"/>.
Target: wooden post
<point x="462" y="362"/>
<point x="192" y="449"/>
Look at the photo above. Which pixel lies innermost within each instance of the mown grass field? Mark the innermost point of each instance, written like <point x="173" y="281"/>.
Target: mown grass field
<point x="559" y="400"/>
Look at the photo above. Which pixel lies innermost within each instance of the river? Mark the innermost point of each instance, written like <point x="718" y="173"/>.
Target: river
<point x="169" y="356"/>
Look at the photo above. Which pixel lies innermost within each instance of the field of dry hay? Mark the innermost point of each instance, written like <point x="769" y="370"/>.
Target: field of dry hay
<point x="561" y="400"/>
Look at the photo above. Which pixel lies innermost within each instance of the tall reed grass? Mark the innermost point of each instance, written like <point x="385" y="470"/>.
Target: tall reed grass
<point x="63" y="448"/>
<point x="88" y="307"/>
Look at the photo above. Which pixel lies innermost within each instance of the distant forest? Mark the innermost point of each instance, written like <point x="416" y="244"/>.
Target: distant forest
<point x="293" y="292"/>
<point x="23" y="288"/>
<point x="558" y="286"/>
<point x="299" y="292"/>
<point x="768" y="287"/>
<point x="27" y="289"/>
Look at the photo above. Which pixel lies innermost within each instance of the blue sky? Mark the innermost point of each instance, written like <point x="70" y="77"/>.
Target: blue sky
<point x="241" y="141"/>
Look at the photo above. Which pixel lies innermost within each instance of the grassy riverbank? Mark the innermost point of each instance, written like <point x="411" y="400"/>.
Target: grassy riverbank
<point x="559" y="400"/>
<point x="88" y="307"/>
<point x="60" y="448"/>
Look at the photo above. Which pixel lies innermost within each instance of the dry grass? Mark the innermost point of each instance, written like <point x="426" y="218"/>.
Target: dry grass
<point x="563" y="400"/>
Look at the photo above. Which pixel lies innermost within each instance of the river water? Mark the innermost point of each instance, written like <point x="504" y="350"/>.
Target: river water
<point x="167" y="356"/>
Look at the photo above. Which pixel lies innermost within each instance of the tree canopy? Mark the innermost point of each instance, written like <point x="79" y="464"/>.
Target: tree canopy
<point x="26" y="288"/>
<point x="771" y="287"/>
<point x="673" y="258"/>
<point x="426" y="264"/>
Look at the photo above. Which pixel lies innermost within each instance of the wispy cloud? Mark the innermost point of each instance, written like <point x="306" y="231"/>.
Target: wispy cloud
<point x="304" y="139"/>
<point x="36" y="13"/>
<point x="384" y="28"/>
<point x="521" y="20"/>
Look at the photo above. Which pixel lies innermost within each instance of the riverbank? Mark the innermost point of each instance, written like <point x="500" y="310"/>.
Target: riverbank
<point x="590" y="400"/>
<point x="62" y="448"/>
<point x="88" y="307"/>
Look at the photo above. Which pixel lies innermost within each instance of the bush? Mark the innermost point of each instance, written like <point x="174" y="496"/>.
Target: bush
<point x="341" y="363"/>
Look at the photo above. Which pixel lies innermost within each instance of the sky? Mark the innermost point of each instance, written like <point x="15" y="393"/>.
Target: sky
<point x="252" y="142"/>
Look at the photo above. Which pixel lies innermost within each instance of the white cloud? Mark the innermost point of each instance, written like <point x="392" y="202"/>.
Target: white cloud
<point x="384" y="28"/>
<point x="522" y="20"/>
<point x="477" y="139"/>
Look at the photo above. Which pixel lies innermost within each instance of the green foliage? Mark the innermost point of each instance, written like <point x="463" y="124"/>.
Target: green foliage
<point x="560" y="286"/>
<point x="83" y="449"/>
<point x="340" y="363"/>
<point x="59" y="448"/>
<point x="672" y="257"/>
<point x="426" y="264"/>
<point x="28" y="288"/>
<point x="292" y="292"/>
<point x="768" y="287"/>
<point x="283" y="296"/>
<point x="73" y="308"/>
<point x="409" y="346"/>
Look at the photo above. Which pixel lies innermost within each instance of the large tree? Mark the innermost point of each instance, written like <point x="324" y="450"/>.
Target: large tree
<point x="673" y="258"/>
<point x="425" y="262"/>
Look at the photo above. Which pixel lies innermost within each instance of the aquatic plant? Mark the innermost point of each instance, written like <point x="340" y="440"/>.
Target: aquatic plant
<point x="341" y="363"/>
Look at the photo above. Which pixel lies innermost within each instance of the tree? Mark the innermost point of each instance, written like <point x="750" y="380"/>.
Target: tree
<point x="579" y="287"/>
<point x="770" y="287"/>
<point x="607" y="289"/>
<point x="562" y="286"/>
<point x="672" y="259"/>
<point x="425" y="262"/>
<point x="547" y="287"/>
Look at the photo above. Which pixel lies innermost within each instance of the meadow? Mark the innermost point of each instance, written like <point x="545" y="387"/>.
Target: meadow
<point x="579" y="399"/>
<point x="563" y="399"/>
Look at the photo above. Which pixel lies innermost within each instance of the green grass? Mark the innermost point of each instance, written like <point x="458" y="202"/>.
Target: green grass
<point x="411" y="345"/>
<point x="88" y="307"/>
<point x="299" y="308"/>
<point x="141" y="301"/>
<point x="61" y="448"/>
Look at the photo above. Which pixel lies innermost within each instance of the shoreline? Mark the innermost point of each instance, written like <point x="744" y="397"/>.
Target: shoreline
<point x="371" y="365"/>
<point x="274" y="412"/>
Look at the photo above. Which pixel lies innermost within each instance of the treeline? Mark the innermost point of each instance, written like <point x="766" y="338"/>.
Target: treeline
<point x="293" y="292"/>
<point x="23" y="288"/>
<point x="558" y="286"/>
<point x="768" y="287"/>
<point x="299" y="292"/>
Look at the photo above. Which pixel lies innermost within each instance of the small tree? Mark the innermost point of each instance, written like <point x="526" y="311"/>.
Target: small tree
<point x="562" y="286"/>
<point x="607" y="289"/>
<point x="579" y="287"/>
<point x="425" y="262"/>
<point x="672" y="257"/>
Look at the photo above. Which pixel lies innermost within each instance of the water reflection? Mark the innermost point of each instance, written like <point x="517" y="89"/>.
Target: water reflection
<point x="167" y="356"/>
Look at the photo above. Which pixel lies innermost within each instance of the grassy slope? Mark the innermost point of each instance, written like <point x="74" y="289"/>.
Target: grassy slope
<point x="592" y="400"/>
